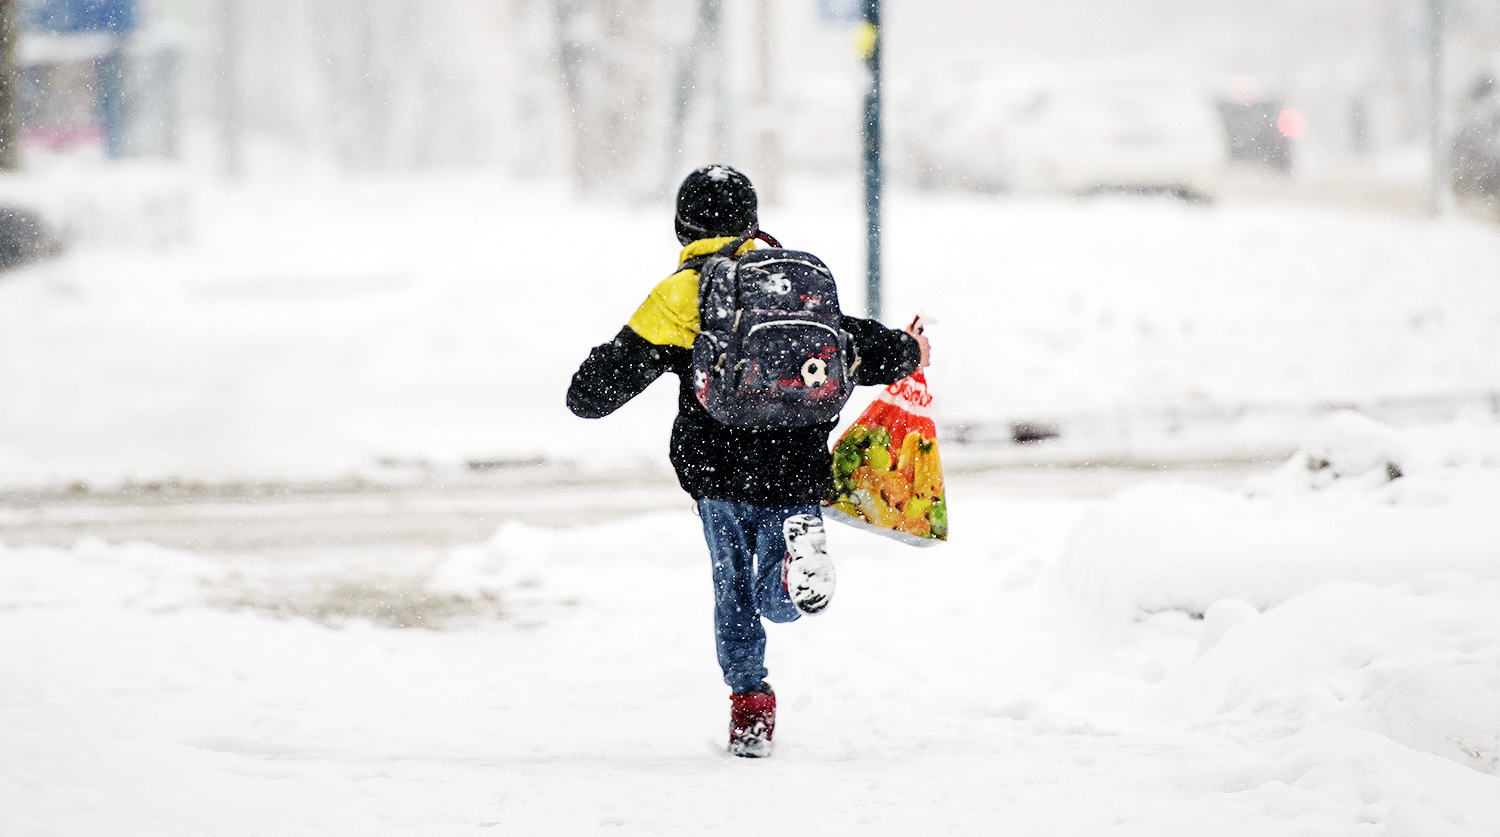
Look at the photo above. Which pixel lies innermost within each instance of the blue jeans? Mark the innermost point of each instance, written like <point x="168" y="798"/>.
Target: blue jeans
<point x="746" y="545"/>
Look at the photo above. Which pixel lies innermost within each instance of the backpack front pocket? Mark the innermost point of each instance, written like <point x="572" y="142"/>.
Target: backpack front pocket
<point x="795" y="369"/>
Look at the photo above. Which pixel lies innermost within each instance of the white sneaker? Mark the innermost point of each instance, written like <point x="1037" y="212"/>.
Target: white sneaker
<point x="807" y="571"/>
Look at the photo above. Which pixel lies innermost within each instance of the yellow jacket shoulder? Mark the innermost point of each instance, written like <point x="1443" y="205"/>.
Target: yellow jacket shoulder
<point x="669" y="316"/>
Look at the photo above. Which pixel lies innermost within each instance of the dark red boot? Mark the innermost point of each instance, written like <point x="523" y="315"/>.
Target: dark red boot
<point x="752" y="719"/>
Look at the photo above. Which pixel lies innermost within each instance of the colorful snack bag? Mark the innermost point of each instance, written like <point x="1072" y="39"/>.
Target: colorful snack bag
<point x="887" y="476"/>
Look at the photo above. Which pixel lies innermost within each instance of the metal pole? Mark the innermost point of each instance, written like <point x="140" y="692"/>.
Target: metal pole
<point x="767" y="156"/>
<point x="713" y="48"/>
<point x="231" y="128"/>
<point x="686" y="70"/>
<point x="870" y="45"/>
<point x="110" y="72"/>
<point x="1439" y="190"/>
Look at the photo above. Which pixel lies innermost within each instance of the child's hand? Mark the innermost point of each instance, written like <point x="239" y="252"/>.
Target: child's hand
<point x="915" y="330"/>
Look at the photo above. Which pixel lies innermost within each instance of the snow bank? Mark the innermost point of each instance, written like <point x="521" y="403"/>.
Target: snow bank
<point x="93" y="573"/>
<point x="1338" y="779"/>
<point x="1097" y="308"/>
<point x="527" y="562"/>
<point x="1381" y="703"/>
<point x="1359" y="502"/>
<point x="1350" y="606"/>
<point x="1418" y="662"/>
<point x="134" y="705"/>
<point x="522" y="568"/>
<point x="399" y="325"/>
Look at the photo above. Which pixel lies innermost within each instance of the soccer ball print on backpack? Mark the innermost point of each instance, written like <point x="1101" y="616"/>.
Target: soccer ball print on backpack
<point x="770" y="351"/>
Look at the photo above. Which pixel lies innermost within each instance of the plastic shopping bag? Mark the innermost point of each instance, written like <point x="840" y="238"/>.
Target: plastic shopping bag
<point x="887" y="476"/>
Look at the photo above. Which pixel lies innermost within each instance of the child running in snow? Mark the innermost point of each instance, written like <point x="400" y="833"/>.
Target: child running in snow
<point x="758" y="489"/>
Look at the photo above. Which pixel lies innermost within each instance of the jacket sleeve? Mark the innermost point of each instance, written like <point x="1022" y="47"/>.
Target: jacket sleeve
<point x="885" y="355"/>
<point x="615" y="373"/>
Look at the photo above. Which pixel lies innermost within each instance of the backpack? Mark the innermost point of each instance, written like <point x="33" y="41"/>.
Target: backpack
<point x="770" y="351"/>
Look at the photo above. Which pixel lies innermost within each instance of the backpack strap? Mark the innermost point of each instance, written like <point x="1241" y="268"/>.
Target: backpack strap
<point x="728" y="251"/>
<point x="695" y="263"/>
<point x="732" y="249"/>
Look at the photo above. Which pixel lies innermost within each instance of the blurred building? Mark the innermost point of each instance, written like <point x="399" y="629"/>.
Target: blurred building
<point x="94" y="75"/>
<point x="622" y="95"/>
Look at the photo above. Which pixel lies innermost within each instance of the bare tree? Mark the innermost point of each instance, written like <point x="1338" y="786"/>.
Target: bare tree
<point x="607" y="63"/>
<point x="10" y="109"/>
<point x="229" y="22"/>
<point x="374" y="85"/>
<point x="358" y="78"/>
<point x="702" y="78"/>
<point x="684" y="82"/>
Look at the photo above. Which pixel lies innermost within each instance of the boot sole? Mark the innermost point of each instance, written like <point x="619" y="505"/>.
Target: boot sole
<point x="750" y="748"/>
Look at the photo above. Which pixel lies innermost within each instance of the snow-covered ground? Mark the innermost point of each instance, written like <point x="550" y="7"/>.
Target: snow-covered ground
<point x="562" y="681"/>
<point x="328" y="327"/>
<point x="1315" y="651"/>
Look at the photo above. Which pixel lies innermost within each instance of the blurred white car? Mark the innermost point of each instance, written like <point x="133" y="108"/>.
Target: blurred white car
<point x="1011" y="127"/>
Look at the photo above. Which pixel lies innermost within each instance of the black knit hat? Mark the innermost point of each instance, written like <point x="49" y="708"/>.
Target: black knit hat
<point x="715" y="201"/>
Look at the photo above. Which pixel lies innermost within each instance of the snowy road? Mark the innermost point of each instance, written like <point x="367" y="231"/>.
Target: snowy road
<point x="365" y="550"/>
<point x="441" y="513"/>
<point x="354" y="513"/>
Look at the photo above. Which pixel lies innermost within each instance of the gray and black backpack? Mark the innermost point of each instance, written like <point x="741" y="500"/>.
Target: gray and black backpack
<point x="770" y="351"/>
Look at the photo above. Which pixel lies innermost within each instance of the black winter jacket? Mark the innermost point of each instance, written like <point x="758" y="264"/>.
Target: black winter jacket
<point x="764" y="466"/>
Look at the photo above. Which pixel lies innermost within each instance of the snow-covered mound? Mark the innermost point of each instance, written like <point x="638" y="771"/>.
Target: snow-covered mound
<point x="524" y="561"/>
<point x="135" y="702"/>
<point x="1348" y="454"/>
<point x="1418" y="662"/>
<point x="1360" y="705"/>
<point x="1359" y="502"/>
<point x="96" y="574"/>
